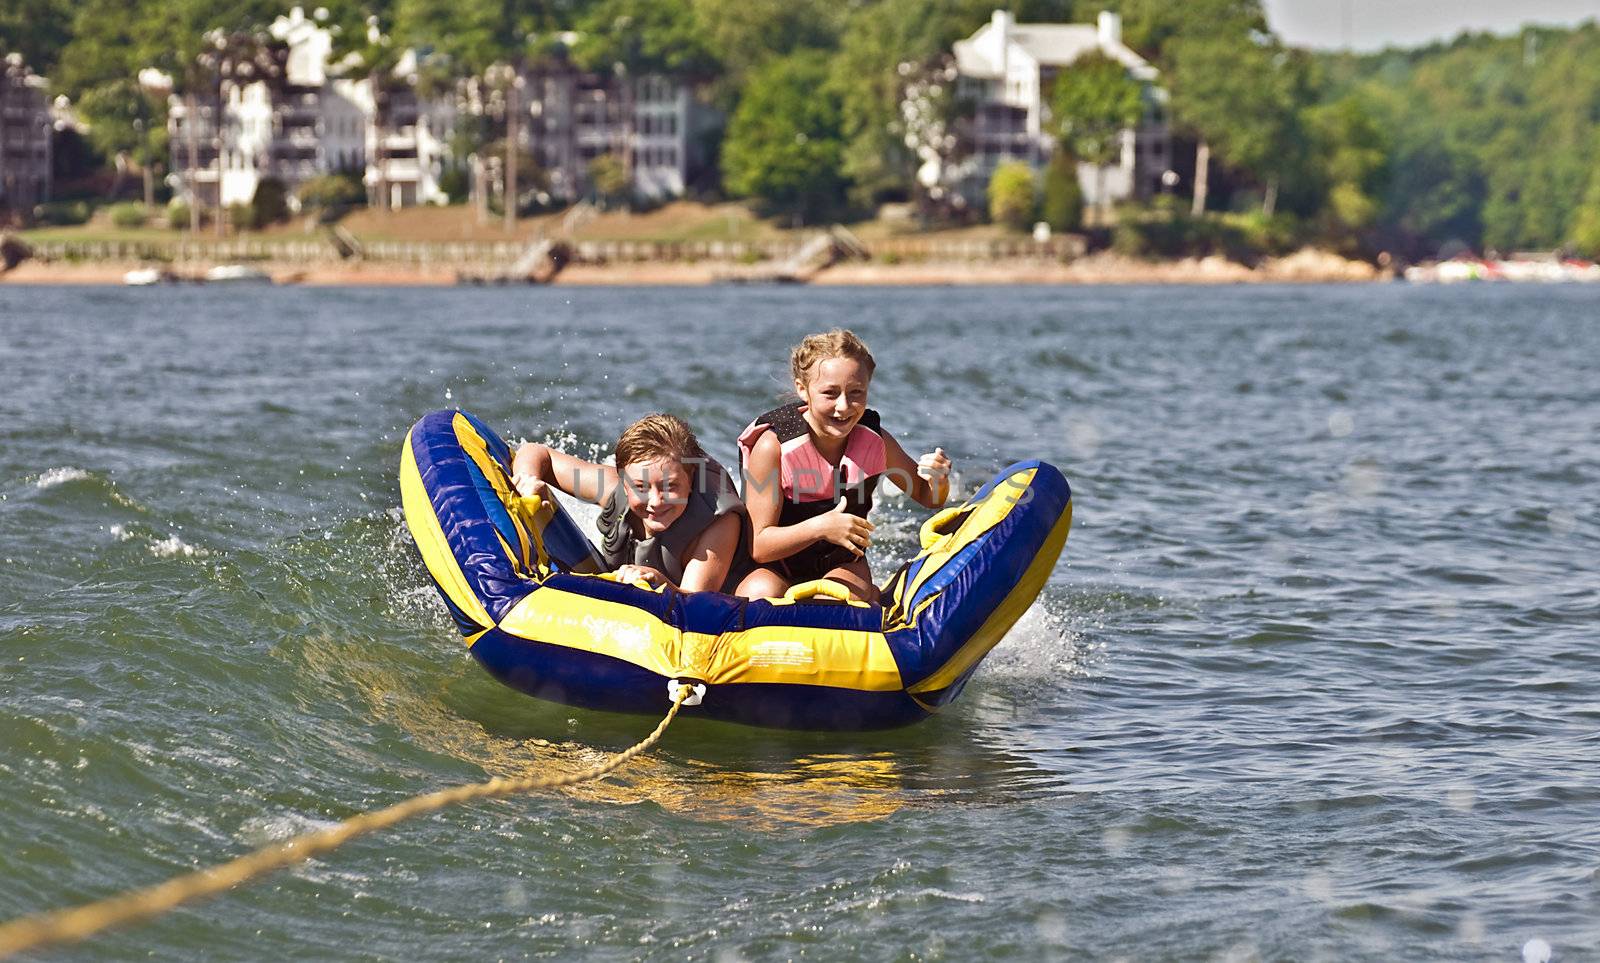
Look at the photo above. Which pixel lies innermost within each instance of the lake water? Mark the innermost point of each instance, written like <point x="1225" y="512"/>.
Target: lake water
<point x="1317" y="677"/>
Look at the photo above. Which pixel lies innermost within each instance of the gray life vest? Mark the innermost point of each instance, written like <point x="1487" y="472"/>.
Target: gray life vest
<point x="712" y="495"/>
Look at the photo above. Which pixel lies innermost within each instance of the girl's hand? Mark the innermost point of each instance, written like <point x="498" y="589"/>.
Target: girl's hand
<point x="641" y="573"/>
<point x="530" y="485"/>
<point x="934" y="466"/>
<point x="841" y="528"/>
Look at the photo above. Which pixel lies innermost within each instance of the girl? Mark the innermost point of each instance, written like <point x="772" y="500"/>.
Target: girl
<point x="812" y="466"/>
<point x="668" y="514"/>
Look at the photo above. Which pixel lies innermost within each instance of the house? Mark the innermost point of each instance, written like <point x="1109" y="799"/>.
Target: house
<point x="1007" y="70"/>
<point x="654" y="125"/>
<point x="311" y="124"/>
<point x="408" y="138"/>
<point x="25" y="128"/>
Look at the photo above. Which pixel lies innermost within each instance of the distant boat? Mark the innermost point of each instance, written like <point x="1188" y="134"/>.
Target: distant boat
<point x="143" y="277"/>
<point x="237" y="274"/>
<point x="1547" y="269"/>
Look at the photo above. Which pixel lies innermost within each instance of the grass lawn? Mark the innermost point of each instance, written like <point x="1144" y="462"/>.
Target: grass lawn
<point x="677" y="221"/>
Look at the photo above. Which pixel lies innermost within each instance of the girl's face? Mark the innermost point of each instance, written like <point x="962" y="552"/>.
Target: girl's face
<point x="835" y="395"/>
<point x="657" y="490"/>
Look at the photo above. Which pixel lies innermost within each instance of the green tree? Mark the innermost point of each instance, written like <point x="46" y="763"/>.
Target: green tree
<point x="1199" y="46"/>
<point x="129" y="122"/>
<point x="1354" y="154"/>
<point x="609" y="177"/>
<point x="98" y="71"/>
<point x="104" y="46"/>
<point x="1011" y="195"/>
<point x="784" y="145"/>
<point x="743" y="35"/>
<point x="1094" y="101"/>
<point x="1491" y="138"/>
<point x="639" y="37"/>
<point x="1063" y="195"/>
<point x="330" y="193"/>
<point x="885" y="48"/>
<point x="39" y="30"/>
<point x="1586" y="223"/>
<point x="270" y="205"/>
<point x="1241" y="95"/>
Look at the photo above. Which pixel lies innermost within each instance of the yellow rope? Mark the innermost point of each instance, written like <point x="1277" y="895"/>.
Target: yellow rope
<point x="71" y="925"/>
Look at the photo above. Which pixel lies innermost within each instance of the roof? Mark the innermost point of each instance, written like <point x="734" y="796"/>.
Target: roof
<point x="1047" y="44"/>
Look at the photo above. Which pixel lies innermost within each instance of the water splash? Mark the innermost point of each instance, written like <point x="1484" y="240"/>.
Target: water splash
<point x="60" y="476"/>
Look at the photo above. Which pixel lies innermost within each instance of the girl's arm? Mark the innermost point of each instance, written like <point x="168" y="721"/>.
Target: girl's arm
<point x="763" y="497"/>
<point x="574" y="476"/>
<point x="903" y="471"/>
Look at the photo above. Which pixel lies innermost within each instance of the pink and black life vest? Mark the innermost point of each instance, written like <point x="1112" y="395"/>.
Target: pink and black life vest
<point x="811" y="485"/>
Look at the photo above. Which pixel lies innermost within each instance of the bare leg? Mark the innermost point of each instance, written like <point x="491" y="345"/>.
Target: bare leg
<point x="763" y="583"/>
<point x="858" y="578"/>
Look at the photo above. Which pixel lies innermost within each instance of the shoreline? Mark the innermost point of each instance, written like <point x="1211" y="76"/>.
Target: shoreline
<point x="1307" y="266"/>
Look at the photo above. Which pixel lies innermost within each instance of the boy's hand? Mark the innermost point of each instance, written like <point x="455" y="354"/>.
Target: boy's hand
<point x="640" y="573"/>
<point x="529" y="485"/>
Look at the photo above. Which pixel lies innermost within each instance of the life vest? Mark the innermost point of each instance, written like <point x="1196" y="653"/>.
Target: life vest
<point x="811" y="485"/>
<point x="712" y="497"/>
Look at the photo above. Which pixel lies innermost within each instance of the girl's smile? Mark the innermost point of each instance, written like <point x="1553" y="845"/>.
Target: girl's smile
<point x="835" y="395"/>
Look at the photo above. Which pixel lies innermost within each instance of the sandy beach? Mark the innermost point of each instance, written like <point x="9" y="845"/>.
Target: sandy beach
<point x="1309" y="266"/>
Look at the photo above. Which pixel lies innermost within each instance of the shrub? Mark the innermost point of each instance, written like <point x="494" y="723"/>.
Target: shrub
<point x="242" y="217"/>
<point x="62" y="213"/>
<point x="270" y="204"/>
<point x="129" y="215"/>
<point x="1011" y="196"/>
<point x="1164" y="232"/>
<point x="1063" y="195"/>
<point x="331" y="192"/>
<point x="608" y="177"/>
<point x="177" y="215"/>
<point x="456" y="184"/>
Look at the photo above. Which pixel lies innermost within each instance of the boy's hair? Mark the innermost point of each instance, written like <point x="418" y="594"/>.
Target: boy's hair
<point x="837" y="343"/>
<point x="654" y="436"/>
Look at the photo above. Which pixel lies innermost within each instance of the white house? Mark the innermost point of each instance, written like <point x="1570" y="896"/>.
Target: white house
<point x="1007" y="70"/>
<point x="25" y="127"/>
<point x="314" y="124"/>
<point x="408" y="156"/>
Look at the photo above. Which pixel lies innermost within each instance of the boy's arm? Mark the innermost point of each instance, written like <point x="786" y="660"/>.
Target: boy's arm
<point x="574" y="476"/>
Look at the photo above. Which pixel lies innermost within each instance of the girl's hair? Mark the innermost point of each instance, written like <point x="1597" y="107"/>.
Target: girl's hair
<point x="654" y="436"/>
<point x="837" y="343"/>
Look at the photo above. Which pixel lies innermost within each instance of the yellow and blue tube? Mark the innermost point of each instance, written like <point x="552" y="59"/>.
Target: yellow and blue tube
<point x="519" y="582"/>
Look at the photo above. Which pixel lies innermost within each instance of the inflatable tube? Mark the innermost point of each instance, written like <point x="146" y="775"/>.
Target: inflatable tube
<point x="512" y="573"/>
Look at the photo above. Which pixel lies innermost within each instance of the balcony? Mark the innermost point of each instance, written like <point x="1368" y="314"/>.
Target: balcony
<point x="404" y="169"/>
<point x="294" y="152"/>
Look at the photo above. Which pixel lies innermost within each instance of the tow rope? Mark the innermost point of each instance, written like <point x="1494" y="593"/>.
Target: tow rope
<point x="71" y="925"/>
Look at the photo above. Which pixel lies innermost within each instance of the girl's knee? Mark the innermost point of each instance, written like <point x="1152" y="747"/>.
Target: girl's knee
<point x="858" y="577"/>
<point x="763" y="583"/>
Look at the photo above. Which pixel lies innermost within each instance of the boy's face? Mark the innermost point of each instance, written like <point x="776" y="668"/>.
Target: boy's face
<point x="657" y="490"/>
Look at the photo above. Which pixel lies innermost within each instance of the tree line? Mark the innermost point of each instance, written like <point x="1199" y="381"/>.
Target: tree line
<point x="1483" y="142"/>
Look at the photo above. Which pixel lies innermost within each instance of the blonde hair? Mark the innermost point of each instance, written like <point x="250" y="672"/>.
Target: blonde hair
<point x="655" y="436"/>
<point x="837" y="343"/>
